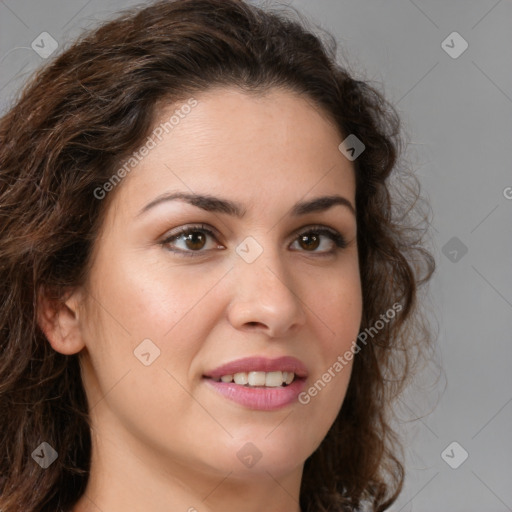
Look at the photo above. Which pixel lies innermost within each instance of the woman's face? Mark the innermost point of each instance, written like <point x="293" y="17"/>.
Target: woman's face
<point x="166" y="315"/>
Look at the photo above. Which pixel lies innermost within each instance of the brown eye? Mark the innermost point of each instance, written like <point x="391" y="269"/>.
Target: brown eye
<point x="195" y="240"/>
<point x="309" y="241"/>
<point x="191" y="239"/>
<point x="316" y="237"/>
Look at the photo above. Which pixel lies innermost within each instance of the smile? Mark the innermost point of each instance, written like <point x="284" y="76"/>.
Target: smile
<point x="259" y="383"/>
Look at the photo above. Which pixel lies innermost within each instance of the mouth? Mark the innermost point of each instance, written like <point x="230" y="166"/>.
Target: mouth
<point x="259" y="383"/>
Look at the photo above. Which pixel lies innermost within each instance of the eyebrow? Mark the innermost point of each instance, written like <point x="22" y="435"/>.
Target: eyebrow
<point x="211" y="203"/>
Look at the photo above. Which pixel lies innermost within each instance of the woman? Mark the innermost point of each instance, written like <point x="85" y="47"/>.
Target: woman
<point x="210" y="299"/>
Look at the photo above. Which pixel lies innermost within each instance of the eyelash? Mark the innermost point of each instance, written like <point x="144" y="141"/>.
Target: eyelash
<point x="336" y="237"/>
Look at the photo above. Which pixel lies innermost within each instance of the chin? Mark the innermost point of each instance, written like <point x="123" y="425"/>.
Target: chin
<point x="264" y="451"/>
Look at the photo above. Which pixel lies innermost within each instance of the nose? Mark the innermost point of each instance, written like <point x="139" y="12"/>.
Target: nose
<point x="264" y="298"/>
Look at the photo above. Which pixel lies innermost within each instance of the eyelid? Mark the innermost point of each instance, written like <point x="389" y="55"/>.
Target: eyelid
<point x="313" y="227"/>
<point x="189" y="227"/>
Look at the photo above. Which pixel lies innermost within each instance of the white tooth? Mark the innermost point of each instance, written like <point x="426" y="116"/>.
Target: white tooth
<point x="226" y="378"/>
<point x="241" y="378"/>
<point x="256" y="378"/>
<point x="273" y="379"/>
<point x="285" y="376"/>
<point x="289" y="378"/>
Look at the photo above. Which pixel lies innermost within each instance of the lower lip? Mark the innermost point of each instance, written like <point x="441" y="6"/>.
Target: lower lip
<point x="261" y="399"/>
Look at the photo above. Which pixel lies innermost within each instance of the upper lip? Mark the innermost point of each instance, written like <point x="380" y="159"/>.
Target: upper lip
<point x="260" y="364"/>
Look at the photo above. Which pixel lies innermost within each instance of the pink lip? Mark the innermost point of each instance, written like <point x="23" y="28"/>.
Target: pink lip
<point x="264" y="399"/>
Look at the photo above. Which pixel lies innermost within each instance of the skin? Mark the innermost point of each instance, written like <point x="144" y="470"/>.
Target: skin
<point x="162" y="439"/>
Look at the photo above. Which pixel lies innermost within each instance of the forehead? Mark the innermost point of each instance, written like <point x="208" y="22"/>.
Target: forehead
<point x="255" y="147"/>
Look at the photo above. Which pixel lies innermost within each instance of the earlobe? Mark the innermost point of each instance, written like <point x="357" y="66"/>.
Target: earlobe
<point x="60" y="322"/>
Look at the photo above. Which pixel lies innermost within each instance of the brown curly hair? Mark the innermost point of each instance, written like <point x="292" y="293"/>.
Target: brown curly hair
<point x="65" y="136"/>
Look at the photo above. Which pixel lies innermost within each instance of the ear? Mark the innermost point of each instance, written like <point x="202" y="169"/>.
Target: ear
<point x="59" y="320"/>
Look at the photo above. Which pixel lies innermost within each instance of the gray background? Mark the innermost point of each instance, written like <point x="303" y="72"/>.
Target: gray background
<point x="458" y="114"/>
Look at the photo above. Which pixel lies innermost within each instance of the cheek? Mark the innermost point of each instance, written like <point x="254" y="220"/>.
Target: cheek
<point x="335" y="301"/>
<point x="337" y="309"/>
<point x="149" y="298"/>
<point x="134" y="303"/>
